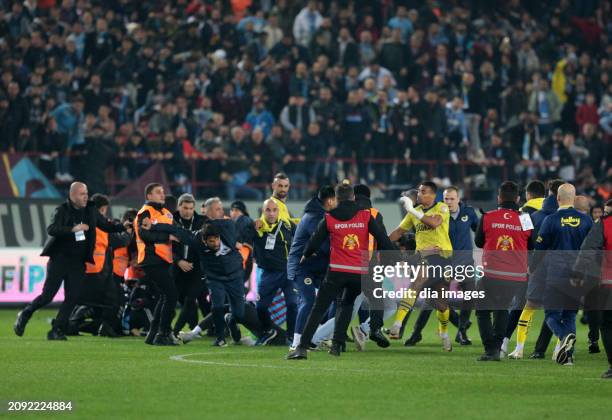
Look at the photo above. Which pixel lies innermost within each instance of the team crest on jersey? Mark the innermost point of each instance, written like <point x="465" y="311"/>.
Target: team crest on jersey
<point x="350" y="242"/>
<point x="505" y="243"/>
<point x="570" y="221"/>
<point x="464" y="218"/>
<point x="307" y="281"/>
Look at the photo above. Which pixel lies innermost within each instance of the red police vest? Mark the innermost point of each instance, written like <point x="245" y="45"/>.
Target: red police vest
<point x="349" y="240"/>
<point x="505" y="250"/>
<point x="606" y="269"/>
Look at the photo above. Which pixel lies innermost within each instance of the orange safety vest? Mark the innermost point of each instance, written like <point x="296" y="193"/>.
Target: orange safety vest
<point x="121" y="259"/>
<point x="162" y="250"/>
<point x="99" y="253"/>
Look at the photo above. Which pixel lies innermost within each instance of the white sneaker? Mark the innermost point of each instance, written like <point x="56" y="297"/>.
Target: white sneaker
<point x="325" y="345"/>
<point x="446" y="343"/>
<point x="394" y="331"/>
<point x="503" y="351"/>
<point x="246" y="341"/>
<point x="555" y="353"/>
<point x="67" y="177"/>
<point x="187" y="336"/>
<point x="359" y="337"/>
<point x="516" y="354"/>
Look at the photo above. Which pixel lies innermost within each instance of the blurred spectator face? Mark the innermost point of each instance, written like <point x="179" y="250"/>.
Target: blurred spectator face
<point x="590" y="99"/>
<point x="169" y="137"/>
<point x="13" y="90"/>
<point x="401" y="12"/>
<point x="257" y="136"/>
<point x="181" y="132"/>
<point x="95" y="81"/>
<point x="568" y="140"/>
<point x="277" y="131"/>
<point x="457" y="103"/>
<point x="325" y="94"/>
<point x="369" y="85"/>
<point x="313" y="129"/>
<point x="78" y="105"/>
<point x="237" y="134"/>
<point x="101" y="25"/>
<point x="296" y="135"/>
<point x="468" y="79"/>
<point x="368" y="21"/>
<point x="365" y="37"/>
<point x="588" y="130"/>
<point x="396" y="35"/>
<point x="345" y="35"/>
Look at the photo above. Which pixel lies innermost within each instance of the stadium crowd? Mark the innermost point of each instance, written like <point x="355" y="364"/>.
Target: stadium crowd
<point x="379" y="91"/>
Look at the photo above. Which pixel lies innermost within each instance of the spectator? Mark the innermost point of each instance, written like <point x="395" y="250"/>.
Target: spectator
<point x="587" y="112"/>
<point x="260" y="118"/>
<point x="400" y="21"/>
<point x="306" y="23"/>
<point x="297" y="114"/>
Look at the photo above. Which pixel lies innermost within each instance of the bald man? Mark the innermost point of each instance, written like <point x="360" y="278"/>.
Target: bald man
<point x="271" y="244"/>
<point x="557" y="244"/>
<point x="581" y="203"/>
<point x="72" y="237"/>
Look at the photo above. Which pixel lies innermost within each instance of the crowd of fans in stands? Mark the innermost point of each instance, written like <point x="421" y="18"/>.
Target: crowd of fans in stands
<point x="225" y="93"/>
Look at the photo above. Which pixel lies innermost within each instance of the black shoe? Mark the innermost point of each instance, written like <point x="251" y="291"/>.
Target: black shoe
<point x="106" y="330"/>
<point x="20" y="323"/>
<point x="607" y="374"/>
<point x="298" y="353"/>
<point x="233" y="328"/>
<point x="413" y="340"/>
<point x="266" y="337"/>
<point x="56" y="334"/>
<point x="164" y="339"/>
<point x="150" y="338"/>
<point x="379" y="338"/>
<point x="489" y="358"/>
<point x="594" y="347"/>
<point x="565" y="350"/>
<point x="336" y="349"/>
<point x="462" y="338"/>
<point x="220" y="342"/>
<point x="537" y="355"/>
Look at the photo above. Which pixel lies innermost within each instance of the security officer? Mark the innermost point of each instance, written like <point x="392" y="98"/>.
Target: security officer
<point x="348" y="228"/>
<point x="505" y="236"/>
<point x="308" y="276"/>
<point x="155" y="257"/>
<point x="72" y="238"/>
<point x="598" y="267"/>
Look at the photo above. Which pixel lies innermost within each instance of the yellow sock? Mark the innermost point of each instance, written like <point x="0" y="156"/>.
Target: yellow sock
<point x="405" y="306"/>
<point x="443" y="321"/>
<point x="523" y="326"/>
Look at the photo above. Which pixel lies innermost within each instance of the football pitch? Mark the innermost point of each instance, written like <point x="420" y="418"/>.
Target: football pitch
<point x="124" y="378"/>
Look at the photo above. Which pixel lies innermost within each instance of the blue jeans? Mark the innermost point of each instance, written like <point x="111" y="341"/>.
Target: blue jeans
<point x="270" y="282"/>
<point x="561" y="321"/>
<point x="307" y="285"/>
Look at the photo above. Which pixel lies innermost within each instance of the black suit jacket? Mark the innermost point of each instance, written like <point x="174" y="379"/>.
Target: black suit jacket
<point x="60" y="228"/>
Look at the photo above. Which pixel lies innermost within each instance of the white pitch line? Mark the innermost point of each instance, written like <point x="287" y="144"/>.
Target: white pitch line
<point x="294" y="365"/>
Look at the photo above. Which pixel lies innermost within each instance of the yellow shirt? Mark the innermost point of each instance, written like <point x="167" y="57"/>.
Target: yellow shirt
<point x="426" y="236"/>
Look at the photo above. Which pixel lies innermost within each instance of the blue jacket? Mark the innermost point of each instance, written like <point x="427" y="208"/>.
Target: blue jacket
<point x="560" y="233"/>
<point x="549" y="206"/>
<point x="459" y="233"/>
<point x="226" y="266"/>
<point x="316" y="265"/>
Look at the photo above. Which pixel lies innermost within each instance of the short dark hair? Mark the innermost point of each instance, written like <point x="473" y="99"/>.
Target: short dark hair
<point x="326" y="192"/>
<point x="536" y="189"/>
<point x="344" y="192"/>
<point x="171" y="203"/>
<point x="362" y="189"/>
<point x="100" y="200"/>
<point x="280" y="175"/>
<point x="129" y="215"/>
<point x="431" y="185"/>
<point x="210" y="230"/>
<point x="553" y="186"/>
<point x="508" y="191"/>
<point x="150" y="187"/>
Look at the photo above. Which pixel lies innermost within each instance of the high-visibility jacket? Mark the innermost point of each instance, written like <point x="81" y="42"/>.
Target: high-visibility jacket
<point x="162" y="250"/>
<point x="99" y="255"/>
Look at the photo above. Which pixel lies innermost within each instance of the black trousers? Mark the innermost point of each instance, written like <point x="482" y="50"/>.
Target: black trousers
<point x="492" y="312"/>
<point x="189" y="286"/>
<point x="72" y="273"/>
<point x="606" y="333"/>
<point x="161" y="276"/>
<point x="335" y="282"/>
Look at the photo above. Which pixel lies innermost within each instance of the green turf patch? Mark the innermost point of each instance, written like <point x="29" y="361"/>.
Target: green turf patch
<point x="124" y="378"/>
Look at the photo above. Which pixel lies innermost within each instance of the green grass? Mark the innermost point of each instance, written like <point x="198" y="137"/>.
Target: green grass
<point x="124" y="378"/>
